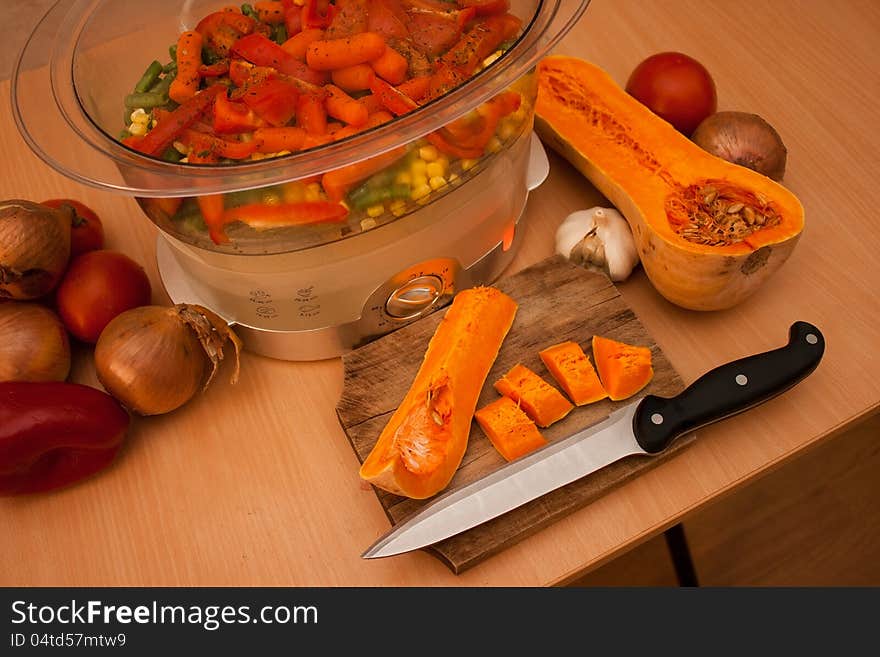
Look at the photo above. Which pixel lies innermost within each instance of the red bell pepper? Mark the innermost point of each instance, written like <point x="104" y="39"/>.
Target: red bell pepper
<point x="394" y="100"/>
<point x="486" y="7"/>
<point x="53" y="434"/>
<point x="261" y="51"/>
<point x="232" y="117"/>
<point x="317" y="13"/>
<point x="211" y="206"/>
<point x="207" y="149"/>
<point x="273" y="100"/>
<point x="301" y="213"/>
<point x="215" y="70"/>
<point x="292" y="17"/>
<point x="160" y="137"/>
<point x="223" y="28"/>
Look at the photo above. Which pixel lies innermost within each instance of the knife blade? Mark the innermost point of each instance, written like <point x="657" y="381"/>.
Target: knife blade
<point x="644" y="427"/>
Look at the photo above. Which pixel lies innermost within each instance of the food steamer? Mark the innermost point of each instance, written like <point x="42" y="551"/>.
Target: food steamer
<point x="298" y="293"/>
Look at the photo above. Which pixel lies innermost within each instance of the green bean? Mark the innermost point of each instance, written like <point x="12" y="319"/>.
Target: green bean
<point x="280" y="33"/>
<point x="248" y="10"/>
<point x="163" y="85"/>
<point x="170" y="66"/>
<point x="172" y="50"/>
<point x="149" y="77"/>
<point x="146" y="100"/>
<point x="364" y="197"/>
<point x="171" y="154"/>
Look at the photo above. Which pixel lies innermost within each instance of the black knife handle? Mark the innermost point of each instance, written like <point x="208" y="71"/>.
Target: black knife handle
<point x="728" y="389"/>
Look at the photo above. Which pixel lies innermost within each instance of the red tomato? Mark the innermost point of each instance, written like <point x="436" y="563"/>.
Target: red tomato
<point x="97" y="287"/>
<point x="87" y="230"/>
<point x="675" y="87"/>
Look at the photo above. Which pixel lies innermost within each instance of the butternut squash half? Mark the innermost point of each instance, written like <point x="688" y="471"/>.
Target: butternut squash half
<point x="423" y="443"/>
<point x="708" y="232"/>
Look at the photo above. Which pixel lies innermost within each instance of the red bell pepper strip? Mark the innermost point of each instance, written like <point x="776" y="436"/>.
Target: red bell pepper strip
<point x="337" y="182"/>
<point x="468" y="137"/>
<point x="292" y="17"/>
<point x="301" y="213"/>
<point x="211" y="207"/>
<point x="349" y="17"/>
<point x="261" y="51"/>
<point x="160" y="137"/>
<point x="311" y="114"/>
<point x="273" y="100"/>
<point x="54" y="434"/>
<point x="316" y="13"/>
<point x="394" y="100"/>
<point x="223" y="28"/>
<point x="231" y="117"/>
<point x="207" y="148"/>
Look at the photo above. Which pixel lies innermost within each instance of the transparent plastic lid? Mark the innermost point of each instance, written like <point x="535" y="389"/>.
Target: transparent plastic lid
<point x="67" y="103"/>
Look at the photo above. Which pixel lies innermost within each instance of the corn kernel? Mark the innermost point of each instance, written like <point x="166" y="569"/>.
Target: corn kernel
<point x="139" y="116"/>
<point x="443" y="161"/>
<point x="429" y="153"/>
<point x="507" y="130"/>
<point x="398" y="207"/>
<point x="181" y="148"/>
<point x="437" y="182"/>
<point x="313" y="192"/>
<point x="453" y="178"/>
<point x="494" y="145"/>
<point x="421" y="191"/>
<point x="468" y="164"/>
<point x="403" y="178"/>
<point x="434" y="170"/>
<point x="367" y="224"/>
<point x="491" y="58"/>
<point x="419" y="180"/>
<point x="376" y="210"/>
<point x="139" y="129"/>
<point x="418" y="167"/>
<point x="293" y="192"/>
<point x="271" y="199"/>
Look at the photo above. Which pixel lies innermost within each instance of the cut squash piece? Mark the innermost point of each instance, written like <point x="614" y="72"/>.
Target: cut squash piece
<point x="511" y="431"/>
<point x="422" y="445"/>
<point x="573" y="371"/>
<point x="624" y="369"/>
<point x="541" y="401"/>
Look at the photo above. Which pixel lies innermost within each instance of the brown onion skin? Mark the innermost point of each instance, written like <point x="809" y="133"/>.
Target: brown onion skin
<point x="744" y="139"/>
<point x="34" y="248"/>
<point x="33" y="344"/>
<point x="150" y="361"/>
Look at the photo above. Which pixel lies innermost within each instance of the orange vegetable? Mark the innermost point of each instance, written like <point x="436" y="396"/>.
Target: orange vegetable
<point x="310" y="114"/>
<point x="543" y="403"/>
<point x="624" y="369"/>
<point x="299" y="42"/>
<point x="272" y="140"/>
<point x="270" y="11"/>
<point x="189" y="59"/>
<point x="343" y="107"/>
<point x="330" y="54"/>
<point x="211" y="206"/>
<point x="511" y="431"/>
<point x="353" y="78"/>
<point x="574" y="372"/>
<point x="422" y="445"/>
<point x="391" y="66"/>
<point x="416" y="88"/>
<point x="336" y="183"/>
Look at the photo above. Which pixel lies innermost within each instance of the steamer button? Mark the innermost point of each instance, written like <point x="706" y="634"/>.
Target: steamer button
<point x="414" y="297"/>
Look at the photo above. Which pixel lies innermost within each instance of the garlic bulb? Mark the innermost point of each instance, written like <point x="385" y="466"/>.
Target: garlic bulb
<point x="598" y="239"/>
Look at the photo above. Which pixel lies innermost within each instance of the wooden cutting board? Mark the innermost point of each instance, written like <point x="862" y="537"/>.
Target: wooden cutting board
<point x="557" y="301"/>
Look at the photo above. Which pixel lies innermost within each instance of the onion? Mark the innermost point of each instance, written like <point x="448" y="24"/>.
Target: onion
<point x="34" y="248"/>
<point x="744" y="139"/>
<point x="33" y="344"/>
<point x="154" y="359"/>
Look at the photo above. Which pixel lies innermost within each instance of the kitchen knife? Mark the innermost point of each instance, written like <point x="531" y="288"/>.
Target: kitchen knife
<point x="644" y="427"/>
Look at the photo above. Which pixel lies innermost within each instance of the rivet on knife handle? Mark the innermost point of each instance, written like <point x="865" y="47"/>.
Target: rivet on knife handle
<point x="729" y="389"/>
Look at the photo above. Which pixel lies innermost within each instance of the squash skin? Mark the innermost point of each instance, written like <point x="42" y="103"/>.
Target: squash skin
<point x="454" y="368"/>
<point x="636" y="159"/>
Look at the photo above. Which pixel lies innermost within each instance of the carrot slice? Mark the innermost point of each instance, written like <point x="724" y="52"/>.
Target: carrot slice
<point x="391" y="66"/>
<point x="343" y="107"/>
<point x="353" y="78"/>
<point x="189" y="59"/>
<point x="574" y="372"/>
<point x="541" y="401"/>
<point x="510" y="430"/>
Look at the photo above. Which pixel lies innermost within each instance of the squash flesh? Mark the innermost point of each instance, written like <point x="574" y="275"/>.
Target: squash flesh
<point x="624" y="369"/>
<point x="509" y="429"/>
<point x="638" y="160"/>
<point x="423" y="442"/>
<point x="541" y="401"/>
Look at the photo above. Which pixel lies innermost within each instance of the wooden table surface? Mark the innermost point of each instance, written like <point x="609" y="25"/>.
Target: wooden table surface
<point x="257" y="485"/>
